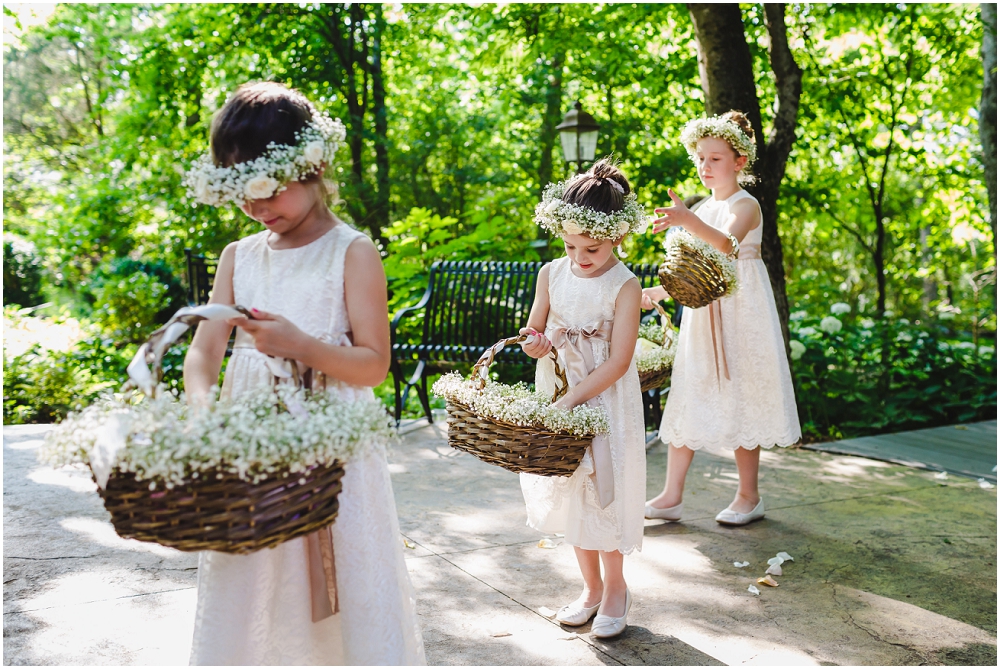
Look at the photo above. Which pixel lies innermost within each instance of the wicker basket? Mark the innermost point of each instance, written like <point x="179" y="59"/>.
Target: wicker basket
<point x="225" y="513"/>
<point x="514" y="447"/>
<point x="692" y="279"/>
<point x="655" y="379"/>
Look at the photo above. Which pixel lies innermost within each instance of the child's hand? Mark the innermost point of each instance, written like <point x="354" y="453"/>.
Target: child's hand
<point x="650" y="296"/>
<point x="566" y="402"/>
<point x="537" y="347"/>
<point x="677" y="215"/>
<point x="272" y="334"/>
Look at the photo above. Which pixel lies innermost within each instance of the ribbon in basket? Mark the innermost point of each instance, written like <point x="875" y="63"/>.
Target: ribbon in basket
<point x="744" y="252"/>
<point x="577" y="356"/>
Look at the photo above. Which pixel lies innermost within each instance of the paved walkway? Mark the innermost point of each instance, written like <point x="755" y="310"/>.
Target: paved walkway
<point x="892" y="566"/>
<point x="966" y="450"/>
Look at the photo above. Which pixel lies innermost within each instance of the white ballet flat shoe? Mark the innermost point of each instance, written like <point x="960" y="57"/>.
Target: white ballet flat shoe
<point x="672" y="513"/>
<point x="605" y="626"/>
<point x="574" y="615"/>
<point x="729" y="517"/>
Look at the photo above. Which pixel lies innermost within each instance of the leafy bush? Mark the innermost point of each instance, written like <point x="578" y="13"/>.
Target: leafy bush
<point x="871" y="377"/>
<point x="22" y="272"/>
<point x="42" y="386"/>
<point x="133" y="297"/>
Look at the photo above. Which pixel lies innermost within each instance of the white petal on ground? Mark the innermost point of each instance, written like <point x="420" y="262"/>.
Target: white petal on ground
<point x="984" y="484"/>
<point x="546" y="543"/>
<point x="774" y="569"/>
<point x="740" y="565"/>
<point x="753" y="590"/>
<point x="775" y="561"/>
<point x="941" y="475"/>
<point x="785" y="556"/>
<point x="546" y="611"/>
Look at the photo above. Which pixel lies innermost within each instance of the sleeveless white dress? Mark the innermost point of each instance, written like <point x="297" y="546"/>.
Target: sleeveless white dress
<point x="256" y="609"/>
<point x="755" y="406"/>
<point x="569" y="505"/>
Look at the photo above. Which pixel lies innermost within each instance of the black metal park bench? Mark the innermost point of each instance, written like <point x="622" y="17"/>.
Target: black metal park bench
<point x="468" y="307"/>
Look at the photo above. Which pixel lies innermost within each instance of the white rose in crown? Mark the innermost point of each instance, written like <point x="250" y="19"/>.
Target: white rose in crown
<point x="622" y="228"/>
<point x="571" y="228"/>
<point x="201" y="187"/>
<point x="314" y="152"/>
<point x="260" y="188"/>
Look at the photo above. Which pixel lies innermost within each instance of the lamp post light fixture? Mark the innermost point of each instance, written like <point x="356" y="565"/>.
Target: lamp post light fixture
<point x="578" y="133"/>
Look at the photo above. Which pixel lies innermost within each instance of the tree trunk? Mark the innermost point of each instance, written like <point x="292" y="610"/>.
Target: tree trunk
<point x="727" y="80"/>
<point x="988" y="115"/>
<point x="381" y="214"/>
<point x="550" y="119"/>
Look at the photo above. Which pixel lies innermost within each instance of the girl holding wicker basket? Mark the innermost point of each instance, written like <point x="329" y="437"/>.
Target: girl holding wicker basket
<point x="587" y="306"/>
<point x="731" y="390"/>
<point x="340" y="595"/>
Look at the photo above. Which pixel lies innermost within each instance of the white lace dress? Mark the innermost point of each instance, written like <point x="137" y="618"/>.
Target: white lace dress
<point x="255" y="609"/>
<point x="569" y="505"/>
<point x="755" y="406"/>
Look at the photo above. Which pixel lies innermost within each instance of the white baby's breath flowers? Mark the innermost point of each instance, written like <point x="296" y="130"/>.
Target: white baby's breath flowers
<point x="252" y="436"/>
<point x="650" y="353"/>
<point x="518" y="405"/>
<point x="559" y="217"/>
<point x="315" y="144"/>
<point x="724" y="129"/>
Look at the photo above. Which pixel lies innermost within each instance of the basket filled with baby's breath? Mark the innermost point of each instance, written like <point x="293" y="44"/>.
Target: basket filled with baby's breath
<point x="655" y="350"/>
<point x="233" y="475"/>
<point x="694" y="272"/>
<point x="513" y="426"/>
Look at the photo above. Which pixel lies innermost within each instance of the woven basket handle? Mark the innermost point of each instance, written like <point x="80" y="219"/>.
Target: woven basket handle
<point x="668" y="326"/>
<point x="486" y="360"/>
<point x="146" y="369"/>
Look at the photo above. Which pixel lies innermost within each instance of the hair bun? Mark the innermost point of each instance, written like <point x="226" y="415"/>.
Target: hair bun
<point x="740" y="119"/>
<point x="605" y="168"/>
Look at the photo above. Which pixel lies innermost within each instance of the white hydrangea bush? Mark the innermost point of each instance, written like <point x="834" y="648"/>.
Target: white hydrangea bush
<point x="257" y="436"/>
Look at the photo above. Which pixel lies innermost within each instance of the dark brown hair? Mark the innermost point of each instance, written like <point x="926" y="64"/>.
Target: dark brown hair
<point x="256" y="115"/>
<point x="595" y="191"/>
<point x="740" y="119"/>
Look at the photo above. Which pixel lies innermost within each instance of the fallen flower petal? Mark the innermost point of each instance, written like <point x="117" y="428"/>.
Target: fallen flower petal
<point x="767" y="580"/>
<point x="775" y="561"/>
<point x="753" y="590"/>
<point x="546" y="611"/>
<point x="785" y="556"/>
<point x="941" y="475"/>
<point x="740" y="565"/>
<point x="409" y="544"/>
<point x="500" y="633"/>
<point x="984" y="484"/>
<point x="774" y="569"/>
<point x="546" y="543"/>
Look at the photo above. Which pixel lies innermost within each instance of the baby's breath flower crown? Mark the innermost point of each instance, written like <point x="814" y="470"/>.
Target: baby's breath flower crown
<point x="724" y="129"/>
<point x="559" y="217"/>
<point x="315" y="144"/>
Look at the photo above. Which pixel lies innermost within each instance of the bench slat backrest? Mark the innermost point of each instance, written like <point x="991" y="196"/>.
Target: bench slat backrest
<point x="478" y="303"/>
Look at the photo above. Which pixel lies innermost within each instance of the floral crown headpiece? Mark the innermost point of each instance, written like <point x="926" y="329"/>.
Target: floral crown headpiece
<point x="724" y="129"/>
<point x="559" y="217"/>
<point x="315" y="144"/>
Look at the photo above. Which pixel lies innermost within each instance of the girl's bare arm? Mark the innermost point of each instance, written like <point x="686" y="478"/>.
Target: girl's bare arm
<point x="208" y="348"/>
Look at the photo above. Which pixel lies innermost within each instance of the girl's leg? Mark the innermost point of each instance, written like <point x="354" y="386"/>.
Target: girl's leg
<point x="590" y="567"/>
<point x="614" y="585"/>
<point x="678" y="462"/>
<point x="747" y="495"/>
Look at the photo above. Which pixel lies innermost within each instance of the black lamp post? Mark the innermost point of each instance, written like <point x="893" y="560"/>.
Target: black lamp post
<point x="578" y="132"/>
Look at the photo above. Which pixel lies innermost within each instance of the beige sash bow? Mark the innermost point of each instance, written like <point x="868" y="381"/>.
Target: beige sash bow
<point x="577" y="357"/>
<point x="746" y="252"/>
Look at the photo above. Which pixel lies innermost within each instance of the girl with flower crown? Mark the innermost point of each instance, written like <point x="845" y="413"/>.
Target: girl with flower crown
<point x="731" y="390"/>
<point x="587" y="308"/>
<point x="341" y="595"/>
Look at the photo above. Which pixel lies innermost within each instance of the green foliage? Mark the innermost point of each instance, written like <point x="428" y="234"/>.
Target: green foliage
<point x="886" y="376"/>
<point x="43" y="386"/>
<point x="133" y="297"/>
<point x="22" y="273"/>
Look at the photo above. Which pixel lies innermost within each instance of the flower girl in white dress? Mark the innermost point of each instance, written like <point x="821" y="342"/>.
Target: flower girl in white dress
<point x="587" y="305"/>
<point x="731" y="390"/>
<point x="319" y="295"/>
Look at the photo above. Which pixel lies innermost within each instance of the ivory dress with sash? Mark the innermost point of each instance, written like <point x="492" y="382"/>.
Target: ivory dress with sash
<point x="257" y="609"/>
<point x="594" y="512"/>
<point x="734" y="389"/>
